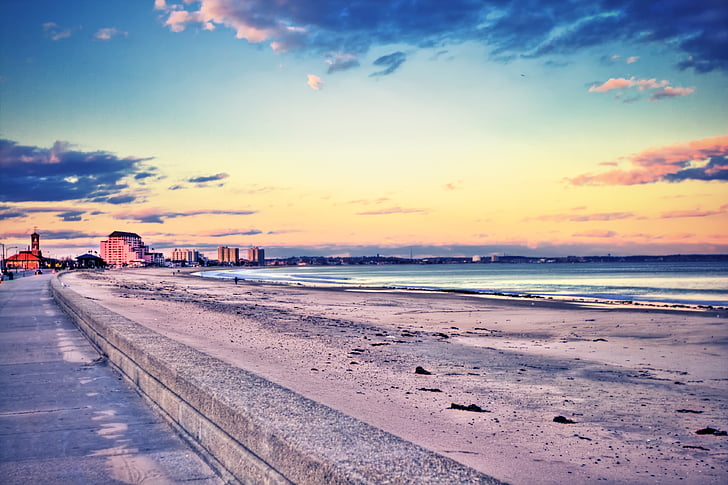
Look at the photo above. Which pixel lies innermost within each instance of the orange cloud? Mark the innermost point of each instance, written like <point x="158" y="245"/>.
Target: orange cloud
<point x="703" y="159"/>
<point x="315" y="82"/>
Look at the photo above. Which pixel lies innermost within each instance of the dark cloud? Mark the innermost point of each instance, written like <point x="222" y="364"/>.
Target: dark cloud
<point x="71" y="216"/>
<point x="11" y="214"/>
<point x="715" y="169"/>
<point x="391" y="62"/>
<point x="52" y="235"/>
<point x="209" y="178"/>
<point x="251" y="232"/>
<point x="156" y="216"/>
<point x="342" y="65"/>
<point x="121" y="199"/>
<point x="59" y="173"/>
<point x="697" y="30"/>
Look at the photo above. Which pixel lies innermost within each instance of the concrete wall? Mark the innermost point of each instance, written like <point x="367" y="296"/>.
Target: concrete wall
<point x="252" y="430"/>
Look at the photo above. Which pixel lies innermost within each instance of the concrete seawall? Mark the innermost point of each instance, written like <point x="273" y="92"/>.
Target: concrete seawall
<point x="250" y="429"/>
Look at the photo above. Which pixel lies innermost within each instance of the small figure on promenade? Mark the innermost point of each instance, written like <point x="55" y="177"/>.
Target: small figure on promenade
<point x="236" y="280"/>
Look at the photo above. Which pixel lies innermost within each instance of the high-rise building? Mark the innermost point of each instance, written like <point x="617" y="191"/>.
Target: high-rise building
<point x="190" y="256"/>
<point x="256" y="255"/>
<point x="127" y="249"/>
<point x="228" y="255"/>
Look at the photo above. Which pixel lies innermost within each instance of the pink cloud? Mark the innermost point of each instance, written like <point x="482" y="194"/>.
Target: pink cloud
<point x="622" y="83"/>
<point x="632" y="59"/>
<point x="603" y="216"/>
<point x="703" y="159"/>
<point x="660" y="89"/>
<point x="690" y="213"/>
<point x="109" y="33"/>
<point x="670" y="92"/>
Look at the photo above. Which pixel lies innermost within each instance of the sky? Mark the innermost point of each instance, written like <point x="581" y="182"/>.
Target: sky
<point x="355" y="127"/>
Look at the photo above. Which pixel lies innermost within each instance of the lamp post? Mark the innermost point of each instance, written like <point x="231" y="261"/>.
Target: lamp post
<point x="9" y="248"/>
<point x="2" y="265"/>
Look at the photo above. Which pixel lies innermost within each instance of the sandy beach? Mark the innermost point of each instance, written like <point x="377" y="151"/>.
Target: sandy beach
<point x="629" y="388"/>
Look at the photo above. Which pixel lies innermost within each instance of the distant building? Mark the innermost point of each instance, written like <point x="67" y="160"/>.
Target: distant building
<point x="256" y="255"/>
<point x="228" y="255"/>
<point x="89" y="261"/>
<point x="189" y="256"/>
<point x="30" y="259"/>
<point x="124" y="249"/>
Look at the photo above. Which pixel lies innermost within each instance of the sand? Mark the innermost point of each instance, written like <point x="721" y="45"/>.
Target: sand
<point x="637" y="383"/>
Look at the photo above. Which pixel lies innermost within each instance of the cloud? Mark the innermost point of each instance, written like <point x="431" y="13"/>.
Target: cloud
<point x="453" y="185"/>
<point x="54" y="32"/>
<point x="392" y="210"/>
<point x="704" y="159"/>
<point x="341" y="62"/>
<point x="232" y="232"/>
<point x="632" y="59"/>
<point x="678" y="214"/>
<point x="158" y="216"/>
<point x="660" y="89"/>
<point x="379" y="200"/>
<point x="595" y="233"/>
<point x="71" y="216"/>
<point x="670" y="92"/>
<point x="392" y="62"/>
<point x="603" y="216"/>
<point x="695" y="31"/>
<point x="12" y="214"/>
<point x="208" y="178"/>
<point x="109" y="33"/>
<point x="59" y="173"/>
<point x="51" y="235"/>
<point x="315" y="82"/>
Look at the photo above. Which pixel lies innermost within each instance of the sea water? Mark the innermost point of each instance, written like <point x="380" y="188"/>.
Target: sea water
<point x="694" y="283"/>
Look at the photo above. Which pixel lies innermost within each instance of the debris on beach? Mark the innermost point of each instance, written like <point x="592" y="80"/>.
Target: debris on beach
<point x="563" y="420"/>
<point x="422" y="371"/>
<point x="434" y="389"/>
<point x="712" y="431"/>
<point x="472" y="407"/>
<point x="688" y="411"/>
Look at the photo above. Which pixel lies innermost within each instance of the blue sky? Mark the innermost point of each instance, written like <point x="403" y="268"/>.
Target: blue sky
<point x="341" y="127"/>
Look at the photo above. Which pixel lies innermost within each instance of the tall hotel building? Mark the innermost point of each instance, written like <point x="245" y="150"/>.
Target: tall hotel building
<point x="256" y="255"/>
<point x="228" y="255"/>
<point x="127" y="249"/>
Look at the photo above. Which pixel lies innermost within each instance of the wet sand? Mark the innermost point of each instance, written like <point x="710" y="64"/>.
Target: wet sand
<point x="630" y="387"/>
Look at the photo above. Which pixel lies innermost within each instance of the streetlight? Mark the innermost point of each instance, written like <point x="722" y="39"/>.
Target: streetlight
<point x="9" y="248"/>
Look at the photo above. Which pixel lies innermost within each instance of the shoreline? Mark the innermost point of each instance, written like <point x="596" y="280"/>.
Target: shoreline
<point x="569" y="299"/>
<point x="621" y="374"/>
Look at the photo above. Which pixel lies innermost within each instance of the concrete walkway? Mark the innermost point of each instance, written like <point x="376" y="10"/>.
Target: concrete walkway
<point x="67" y="417"/>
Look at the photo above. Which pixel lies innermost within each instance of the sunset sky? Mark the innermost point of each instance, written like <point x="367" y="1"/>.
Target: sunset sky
<point x="342" y="127"/>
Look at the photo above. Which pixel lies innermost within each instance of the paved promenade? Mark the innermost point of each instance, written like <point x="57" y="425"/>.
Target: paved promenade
<point x="67" y="417"/>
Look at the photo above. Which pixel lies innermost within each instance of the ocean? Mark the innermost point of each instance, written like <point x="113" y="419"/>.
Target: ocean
<point x="691" y="283"/>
